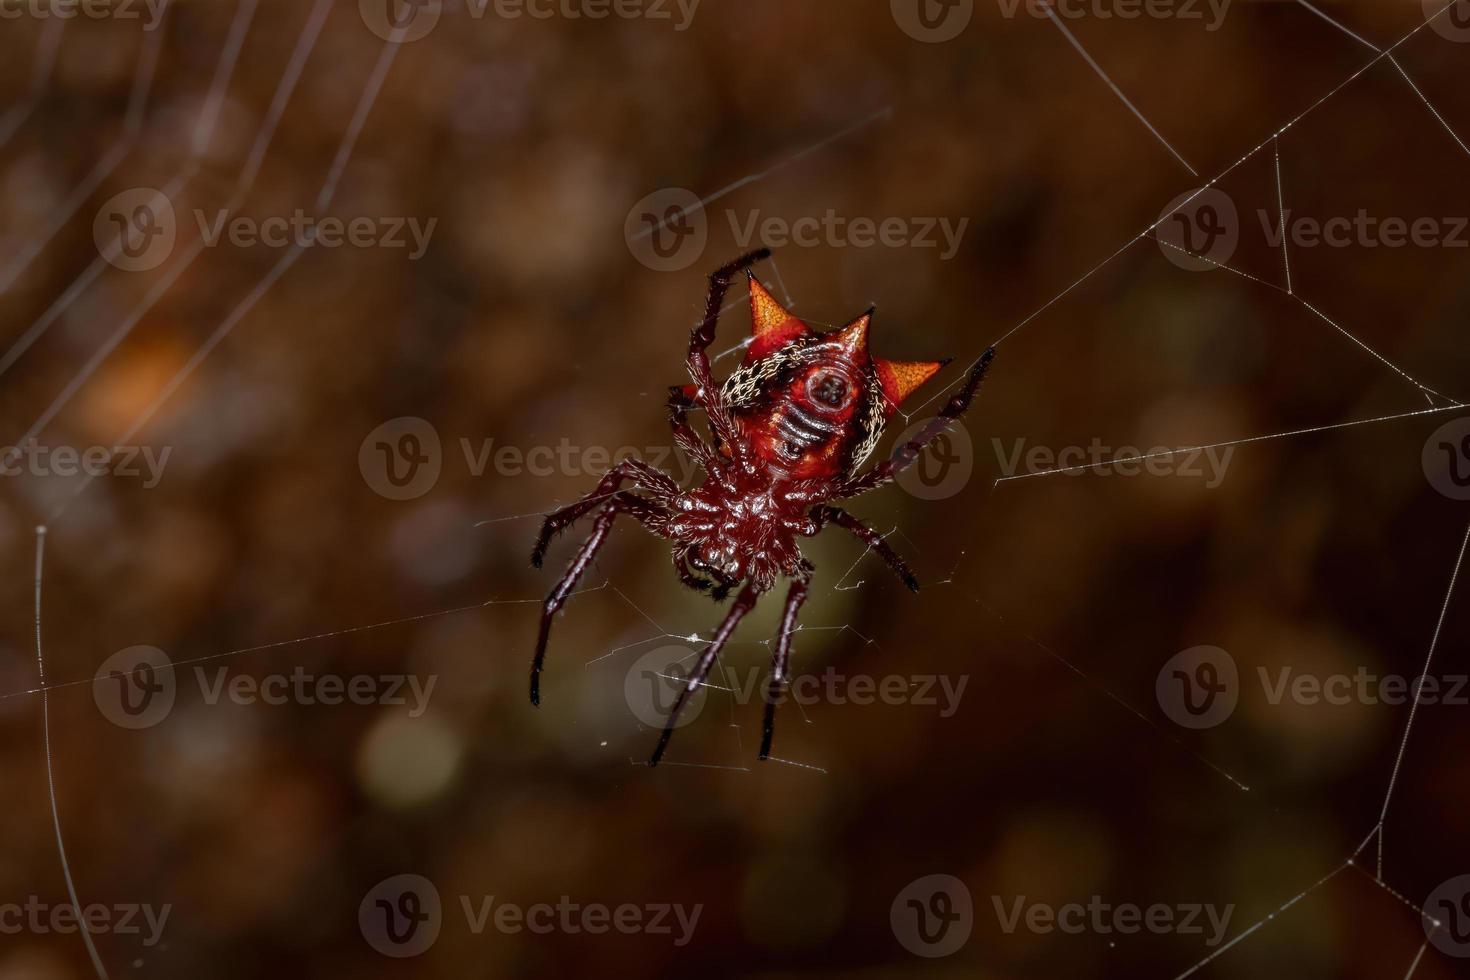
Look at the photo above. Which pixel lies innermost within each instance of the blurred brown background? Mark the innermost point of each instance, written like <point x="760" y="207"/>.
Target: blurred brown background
<point x="530" y="320"/>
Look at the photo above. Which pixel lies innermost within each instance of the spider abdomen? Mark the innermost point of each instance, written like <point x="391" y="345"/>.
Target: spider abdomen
<point x="809" y="426"/>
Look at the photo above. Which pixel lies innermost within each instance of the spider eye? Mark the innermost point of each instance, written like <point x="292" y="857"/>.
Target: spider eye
<point x="791" y="449"/>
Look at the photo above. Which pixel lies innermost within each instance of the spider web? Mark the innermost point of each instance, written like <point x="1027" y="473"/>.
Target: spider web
<point x="194" y="167"/>
<point x="1438" y="403"/>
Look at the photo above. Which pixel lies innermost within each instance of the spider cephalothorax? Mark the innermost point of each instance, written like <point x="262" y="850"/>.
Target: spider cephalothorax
<point x="790" y="428"/>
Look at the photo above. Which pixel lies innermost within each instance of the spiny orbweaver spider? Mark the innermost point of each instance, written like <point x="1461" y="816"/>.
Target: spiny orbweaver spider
<point x="790" y="429"/>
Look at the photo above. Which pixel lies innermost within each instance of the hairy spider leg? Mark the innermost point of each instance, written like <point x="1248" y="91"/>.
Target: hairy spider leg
<point x="644" y="475"/>
<point x="744" y="602"/>
<point x="884" y="472"/>
<point x="721" y="424"/>
<point x="684" y="435"/>
<point x="825" y="514"/>
<point x="794" y="598"/>
<point x="623" y="502"/>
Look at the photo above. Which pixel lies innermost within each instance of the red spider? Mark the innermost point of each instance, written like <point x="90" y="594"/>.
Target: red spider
<point x="791" y="427"/>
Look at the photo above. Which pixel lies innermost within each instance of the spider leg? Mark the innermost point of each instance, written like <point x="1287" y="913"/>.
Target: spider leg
<point x="622" y="503"/>
<point x="884" y="472"/>
<point x="836" y="515"/>
<point x="686" y="574"/>
<point x="720" y="421"/>
<point x="744" y="602"/>
<point x="643" y="474"/>
<point x="684" y="435"/>
<point x="794" y="598"/>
